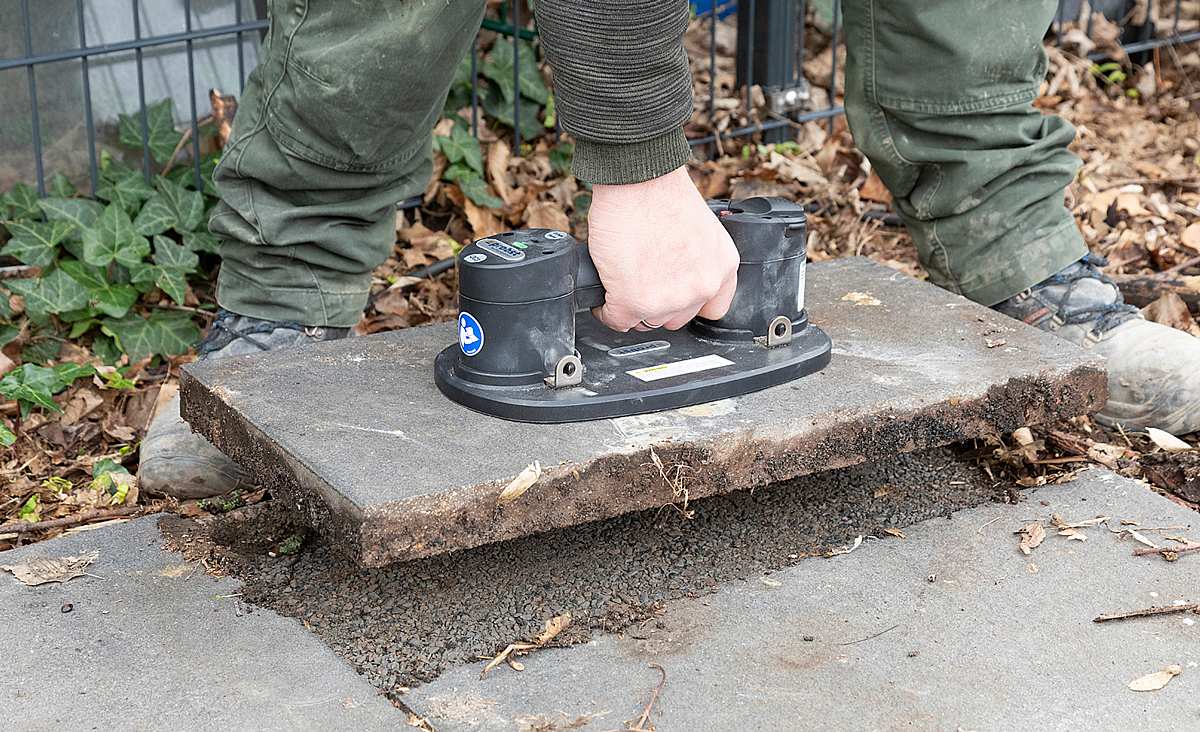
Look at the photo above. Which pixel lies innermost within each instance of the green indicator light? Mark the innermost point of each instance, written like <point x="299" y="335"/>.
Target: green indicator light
<point x="520" y="245"/>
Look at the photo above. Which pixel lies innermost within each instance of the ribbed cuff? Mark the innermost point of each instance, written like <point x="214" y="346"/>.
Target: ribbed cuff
<point x="599" y="163"/>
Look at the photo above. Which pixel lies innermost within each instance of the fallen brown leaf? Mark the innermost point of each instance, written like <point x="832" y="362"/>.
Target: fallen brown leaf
<point x="1032" y="535"/>
<point x="1156" y="680"/>
<point x="41" y="570"/>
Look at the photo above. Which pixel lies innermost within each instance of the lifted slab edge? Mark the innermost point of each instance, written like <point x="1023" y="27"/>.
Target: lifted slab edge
<point x="461" y="514"/>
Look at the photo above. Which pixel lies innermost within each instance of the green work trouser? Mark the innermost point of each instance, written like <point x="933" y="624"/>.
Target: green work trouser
<point x="939" y="96"/>
<point x="334" y="125"/>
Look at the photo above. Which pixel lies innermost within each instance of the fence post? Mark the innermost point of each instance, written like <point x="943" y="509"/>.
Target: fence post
<point x="766" y="56"/>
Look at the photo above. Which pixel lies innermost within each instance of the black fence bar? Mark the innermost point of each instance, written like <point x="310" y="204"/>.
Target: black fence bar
<point x="141" y="79"/>
<point x="827" y="113"/>
<point x="139" y="43"/>
<point x="835" y="42"/>
<point x="475" y="89"/>
<point x="191" y="67"/>
<point x="36" y="132"/>
<point x="241" y="53"/>
<point x="516" y="50"/>
<point x="1150" y="44"/>
<point x="93" y="165"/>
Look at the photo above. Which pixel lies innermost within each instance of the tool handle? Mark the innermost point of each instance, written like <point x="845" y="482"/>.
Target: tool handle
<point x="589" y="291"/>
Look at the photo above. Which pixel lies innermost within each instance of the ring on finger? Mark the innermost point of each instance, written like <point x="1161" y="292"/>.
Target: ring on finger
<point x="649" y="325"/>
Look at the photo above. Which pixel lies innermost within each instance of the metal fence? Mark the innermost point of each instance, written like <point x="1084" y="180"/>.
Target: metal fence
<point x="770" y="56"/>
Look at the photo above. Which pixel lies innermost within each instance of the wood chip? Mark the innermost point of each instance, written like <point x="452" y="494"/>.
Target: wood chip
<point x="523" y="482"/>
<point x="1167" y="441"/>
<point x="1032" y="534"/>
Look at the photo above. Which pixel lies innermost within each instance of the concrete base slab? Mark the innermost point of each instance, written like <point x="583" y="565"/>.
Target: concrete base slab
<point x="948" y="628"/>
<point x="152" y="642"/>
<point x="355" y="434"/>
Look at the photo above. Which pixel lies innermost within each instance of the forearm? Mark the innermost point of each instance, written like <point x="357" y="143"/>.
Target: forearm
<point x="622" y="85"/>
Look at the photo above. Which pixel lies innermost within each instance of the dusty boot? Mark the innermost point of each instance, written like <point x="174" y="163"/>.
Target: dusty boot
<point x="1153" y="369"/>
<point x="178" y="462"/>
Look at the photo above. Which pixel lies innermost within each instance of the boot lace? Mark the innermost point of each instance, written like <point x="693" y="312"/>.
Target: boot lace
<point x="1106" y="316"/>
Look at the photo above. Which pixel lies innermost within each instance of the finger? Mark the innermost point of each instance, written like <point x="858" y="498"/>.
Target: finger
<point x="615" y="318"/>
<point x="679" y="319"/>
<point x="718" y="305"/>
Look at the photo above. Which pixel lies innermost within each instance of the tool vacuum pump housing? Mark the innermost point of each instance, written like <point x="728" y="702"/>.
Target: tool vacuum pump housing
<point x="530" y="350"/>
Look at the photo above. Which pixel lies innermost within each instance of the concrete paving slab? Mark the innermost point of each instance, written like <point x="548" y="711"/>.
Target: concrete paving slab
<point x="949" y="628"/>
<point x="152" y="642"/>
<point x="355" y="434"/>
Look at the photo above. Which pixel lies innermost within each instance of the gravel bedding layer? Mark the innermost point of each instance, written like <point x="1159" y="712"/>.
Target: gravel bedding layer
<point x="401" y="625"/>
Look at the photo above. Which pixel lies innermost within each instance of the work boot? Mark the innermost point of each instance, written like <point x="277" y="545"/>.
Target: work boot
<point x="178" y="462"/>
<point x="1153" y="369"/>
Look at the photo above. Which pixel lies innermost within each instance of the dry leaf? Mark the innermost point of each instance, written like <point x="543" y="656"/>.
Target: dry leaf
<point x="552" y="628"/>
<point x="1142" y="539"/>
<point x="1156" y="680"/>
<point x="1171" y="310"/>
<point x="873" y="189"/>
<point x="6" y="364"/>
<point x="896" y="533"/>
<point x="1023" y="436"/>
<point x="1032" y="534"/>
<point x="1167" y="441"/>
<point x="46" y="569"/>
<point x="83" y="403"/>
<point x="482" y="221"/>
<point x="546" y="215"/>
<point x="1105" y="454"/>
<point x="1191" y="236"/>
<point x="524" y="480"/>
<point x="498" y="155"/>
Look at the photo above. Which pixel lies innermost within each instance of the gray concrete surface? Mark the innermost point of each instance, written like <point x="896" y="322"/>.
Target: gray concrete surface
<point x="355" y="434"/>
<point x="153" y="643"/>
<point x="981" y="638"/>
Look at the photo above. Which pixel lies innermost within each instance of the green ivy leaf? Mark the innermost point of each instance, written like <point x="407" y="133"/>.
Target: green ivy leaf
<point x="105" y="346"/>
<point x="186" y="205"/>
<point x="35" y="243"/>
<point x="499" y="68"/>
<point x="33" y="385"/>
<point x="106" y="296"/>
<point x="113" y="239"/>
<point x="7" y="437"/>
<point x="61" y="186"/>
<point x="41" y="350"/>
<point x="169" y="254"/>
<point x="171" y="281"/>
<point x="8" y="333"/>
<point x="68" y="372"/>
<point x="29" y="510"/>
<point x="154" y="218"/>
<point x="162" y="137"/>
<point x="201" y="241"/>
<point x="53" y="293"/>
<point x="561" y="156"/>
<point x="461" y="147"/>
<point x="21" y="202"/>
<point x="80" y="213"/>
<point x="501" y="110"/>
<point x="124" y="187"/>
<point x="473" y="186"/>
<point x="161" y="334"/>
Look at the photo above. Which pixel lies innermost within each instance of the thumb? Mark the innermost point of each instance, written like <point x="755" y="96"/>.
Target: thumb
<point x="719" y="303"/>
<point x="615" y="317"/>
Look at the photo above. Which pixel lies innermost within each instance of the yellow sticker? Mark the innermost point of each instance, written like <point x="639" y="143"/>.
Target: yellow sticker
<point x="679" y="368"/>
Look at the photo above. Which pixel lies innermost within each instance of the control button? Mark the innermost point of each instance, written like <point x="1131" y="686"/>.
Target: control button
<point x="475" y="257"/>
<point x="553" y="235"/>
<point x="506" y="252"/>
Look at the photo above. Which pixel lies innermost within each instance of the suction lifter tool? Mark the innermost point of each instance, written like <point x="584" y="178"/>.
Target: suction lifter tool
<point x="529" y="349"/>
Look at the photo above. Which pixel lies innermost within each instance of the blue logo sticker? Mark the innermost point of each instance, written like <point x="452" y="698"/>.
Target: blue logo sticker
<point x="470" y="334"/>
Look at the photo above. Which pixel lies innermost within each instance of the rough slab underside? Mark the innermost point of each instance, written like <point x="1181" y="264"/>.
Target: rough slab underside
<point x="948" y="628"/>
<point x="356" y="435"/>
<point x="151" y="642"/>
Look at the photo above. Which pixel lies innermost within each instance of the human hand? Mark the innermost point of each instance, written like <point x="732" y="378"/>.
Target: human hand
<point x="662" y="255"/>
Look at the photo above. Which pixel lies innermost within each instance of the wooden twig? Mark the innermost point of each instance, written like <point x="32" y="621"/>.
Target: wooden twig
<point x="25" y="527"/>
<point x="1141" y="290"/>
<point x="1146" y="612"/>
<point x="640" y="724"/>
<point x="1167" y="550"/>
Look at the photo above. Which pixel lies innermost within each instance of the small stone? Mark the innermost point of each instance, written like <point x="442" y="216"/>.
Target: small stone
<point x="66" y="608"/>
<point x="809" y="639"/>
<point x="913" y="654"/>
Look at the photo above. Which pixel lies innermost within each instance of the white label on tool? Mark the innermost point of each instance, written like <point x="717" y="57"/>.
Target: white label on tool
<point x="800" y="290"/>
<point x="679" y="368"/>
